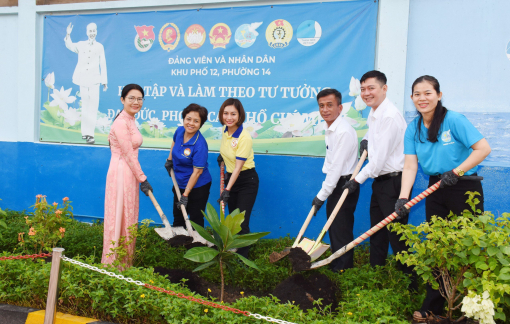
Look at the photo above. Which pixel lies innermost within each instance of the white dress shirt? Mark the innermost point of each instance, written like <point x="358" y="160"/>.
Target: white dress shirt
<point x="341" y="155"/>
<point x="90" y="59"/>
<point x="386" y="130"/>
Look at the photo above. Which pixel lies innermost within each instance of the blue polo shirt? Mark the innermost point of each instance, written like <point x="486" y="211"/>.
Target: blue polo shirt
<point x="453" y="147"/>
<point x="186" y="156"/>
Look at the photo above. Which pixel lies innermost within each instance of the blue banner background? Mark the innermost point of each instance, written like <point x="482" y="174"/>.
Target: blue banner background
<point x="346" y="49"/>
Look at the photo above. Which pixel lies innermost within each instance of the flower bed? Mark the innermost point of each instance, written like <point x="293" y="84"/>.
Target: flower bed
<point x="363" y="294"/>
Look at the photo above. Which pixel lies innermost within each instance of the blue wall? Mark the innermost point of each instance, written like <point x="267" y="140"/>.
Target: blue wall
<point x="287" y="185"/>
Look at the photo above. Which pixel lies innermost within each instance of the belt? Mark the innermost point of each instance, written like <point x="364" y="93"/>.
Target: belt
<point x="388" y="175"/>
<point x="346" y="176"/>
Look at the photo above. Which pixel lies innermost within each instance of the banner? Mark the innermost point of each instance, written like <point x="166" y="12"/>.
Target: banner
<point x="275" y="59"/>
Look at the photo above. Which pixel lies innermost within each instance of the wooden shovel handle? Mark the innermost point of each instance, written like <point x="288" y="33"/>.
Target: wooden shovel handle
<point x="222" y="185"/>
<point x="183" y="209"/>
<point x="342" y="199"/>
<point x="303" y="228"/>
<point x="160" y="211"/>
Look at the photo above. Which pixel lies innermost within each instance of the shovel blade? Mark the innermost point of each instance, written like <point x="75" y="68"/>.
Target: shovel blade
<point x="165" y="233"/>
<point x="277" y="256"/>
<point x="307" y="245"/>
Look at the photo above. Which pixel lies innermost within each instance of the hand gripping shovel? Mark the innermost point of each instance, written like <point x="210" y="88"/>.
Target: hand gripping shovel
<point x="383" y="223"/>
<point x="166" y="232"/>
<point x="196" y="237"/>
<point x="308" y="245"/>
<point x="316" y="249"/>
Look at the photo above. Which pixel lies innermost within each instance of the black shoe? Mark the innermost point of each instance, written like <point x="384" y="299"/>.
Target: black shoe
<point x="90" y="140"/>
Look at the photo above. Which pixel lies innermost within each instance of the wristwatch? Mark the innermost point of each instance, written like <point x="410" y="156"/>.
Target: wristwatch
<point x="459" y="172"/>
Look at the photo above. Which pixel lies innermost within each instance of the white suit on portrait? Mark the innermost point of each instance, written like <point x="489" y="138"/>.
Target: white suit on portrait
<point x="89" y="73"/>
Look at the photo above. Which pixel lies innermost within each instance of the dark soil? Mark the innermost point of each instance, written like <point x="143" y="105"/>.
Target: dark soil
<point x="202" y="286"/>
<point x="180" y="240"/>
<point x="442" y="320"/>
<point x="300" y="259"/>
<point x="194" y="244"/>
<point x="303" y="291"/>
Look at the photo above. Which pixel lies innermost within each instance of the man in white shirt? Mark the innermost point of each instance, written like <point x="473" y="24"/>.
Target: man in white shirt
<point x="339" y="164"/>
<point x="385" y="145"/>
<point x="89" y="73"/>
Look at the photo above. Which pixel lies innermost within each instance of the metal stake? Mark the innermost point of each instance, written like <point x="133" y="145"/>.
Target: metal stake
<point x="51" y="303"/>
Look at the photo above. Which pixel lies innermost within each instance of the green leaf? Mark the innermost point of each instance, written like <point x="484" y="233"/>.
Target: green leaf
<point x="505" y="249"/>
<point x="468" y="275"/>
<point x="476" y="251"/>
<point x="482" y="265"/>
<point x="466" y="282"/>
<point x="233" y="221"/>
<point x="205" y="235"/>
<point x="500" y="315"/>
<point x="205" y="265"/>
<point x="225" y="235"/>
<point x="492" y="250"/>
<point x="201" y="254"/>
<point x="245" y="240"/>
<point x="247" y="262"/>
<point x="467" y="241"/>
<point x="212" y="217"/>
<point x="2" y="223"/>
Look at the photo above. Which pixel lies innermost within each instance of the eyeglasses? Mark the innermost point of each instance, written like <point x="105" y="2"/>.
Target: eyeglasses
<point x="132" y="99"/>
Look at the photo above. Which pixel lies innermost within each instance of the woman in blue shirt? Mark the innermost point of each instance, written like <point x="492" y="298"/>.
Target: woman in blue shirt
<point x="188" y="158"/>
<point x="447" y="146"/>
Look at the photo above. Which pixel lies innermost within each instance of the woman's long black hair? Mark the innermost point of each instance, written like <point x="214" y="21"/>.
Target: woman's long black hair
<point x="124" y="93"/>
<point x="439" y="112"/>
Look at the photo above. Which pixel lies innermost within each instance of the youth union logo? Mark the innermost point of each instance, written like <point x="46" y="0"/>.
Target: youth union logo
<point x="279" y="33"/>
<point x="446" y="136"/>
<point x="309" y="33"/>
<point x="194" y="37"/>
<point x="246" y="34"/>
<point x="220" y="35"/>
<point x="144" y="38"/>
<point x="169" y="36"/>
<point x="234" y="143"/>
<point x="187" y="152"/>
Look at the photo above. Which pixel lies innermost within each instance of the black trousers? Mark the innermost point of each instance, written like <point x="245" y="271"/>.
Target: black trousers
<point x="242" y="195"/>
<point x="440" y="203"/>
<point x="340" y="232"/>
<point x="197" y="201"/>
<point x="384" y="196"/>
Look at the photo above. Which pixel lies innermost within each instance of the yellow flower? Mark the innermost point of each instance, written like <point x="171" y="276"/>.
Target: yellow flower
<point x="206" y="310"/>
<point x="209" y="290"/>
<point x="242" y="292"/>
<point x="151" y="281"/>
<point x="349" y="313"/>
<point x="357" y="294"/>
<point x="142" y="295"/>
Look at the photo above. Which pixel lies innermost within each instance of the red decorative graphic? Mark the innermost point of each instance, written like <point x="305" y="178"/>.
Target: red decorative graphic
<point x="145" y="32"/>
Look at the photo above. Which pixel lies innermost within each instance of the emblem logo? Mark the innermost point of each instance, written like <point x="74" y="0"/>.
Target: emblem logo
<point x="279" y="33"/>
<point x="169" y="36"/>
<point x="144" y="38"/>
<point x="246" y="34"/>
<point x="220" y="35"/>
<point x="187" y="152"/>
<point x="234" y="143"/>
<point x="446" y="136"/>
<point x="309" y="32"/>
<point x="194" y="37"/>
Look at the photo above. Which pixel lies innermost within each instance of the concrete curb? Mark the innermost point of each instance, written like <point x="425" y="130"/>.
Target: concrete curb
<point x="24" y="315"/>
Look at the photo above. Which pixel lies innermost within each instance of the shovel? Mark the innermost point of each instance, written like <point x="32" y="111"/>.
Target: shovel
<point x="383" y="223"/>
<point x="222" y="185"/>
<point x="317" y="248"/>
<point x="166" y="232"/>
<point x="196" y="237"/>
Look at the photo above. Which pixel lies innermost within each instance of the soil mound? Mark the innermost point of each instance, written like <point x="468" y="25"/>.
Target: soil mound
<point x="194" y="244"/>
<point x="176" y="275"/>
<point x="304" y="291"/>
<point x="180" y="240"/>
<point x="300" y="259"/>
